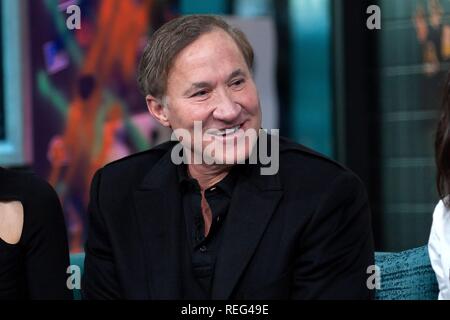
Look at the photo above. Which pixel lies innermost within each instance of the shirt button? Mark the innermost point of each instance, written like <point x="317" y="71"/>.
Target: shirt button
<point x="203" y="249"/>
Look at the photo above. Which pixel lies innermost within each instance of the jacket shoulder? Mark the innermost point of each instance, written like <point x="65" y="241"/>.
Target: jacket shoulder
<point x="137" y="164"/>
<point x="298" y="154"/>
<point x="305" y="167"/>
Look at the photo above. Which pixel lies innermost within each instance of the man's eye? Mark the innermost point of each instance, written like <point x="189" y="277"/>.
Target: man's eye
<point x="200" y="93"/>
<point x="238" y="83"/>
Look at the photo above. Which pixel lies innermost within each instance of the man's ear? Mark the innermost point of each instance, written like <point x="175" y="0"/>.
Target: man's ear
<point x="157" y="110"/>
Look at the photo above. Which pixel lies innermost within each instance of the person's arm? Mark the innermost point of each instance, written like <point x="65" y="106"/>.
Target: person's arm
<point x="337" y="247"/>
<point x="100" y="278"/>
<point x="46" y="247"/>
<point x="434" y="251"/>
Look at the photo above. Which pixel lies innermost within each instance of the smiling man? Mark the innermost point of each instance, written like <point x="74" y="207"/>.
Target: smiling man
<point x="216" y="226"/>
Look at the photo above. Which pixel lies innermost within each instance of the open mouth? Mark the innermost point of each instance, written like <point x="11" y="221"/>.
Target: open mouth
<point x="226" y="132"/>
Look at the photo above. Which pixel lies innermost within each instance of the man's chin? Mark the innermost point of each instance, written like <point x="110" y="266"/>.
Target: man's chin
<point x="225" y="159"/>
<point x="217" y="153"/>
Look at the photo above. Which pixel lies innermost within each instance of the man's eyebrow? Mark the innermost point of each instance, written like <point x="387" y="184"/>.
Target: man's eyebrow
<point x="236" y="73"/>
<point x="197" y="85"/>
<point x="205" y="84"/>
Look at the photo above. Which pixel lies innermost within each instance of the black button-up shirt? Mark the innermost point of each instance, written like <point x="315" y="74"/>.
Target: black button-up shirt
<point x="203" y="250"/>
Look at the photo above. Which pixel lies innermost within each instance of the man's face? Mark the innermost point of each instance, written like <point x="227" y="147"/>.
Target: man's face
<point x="210" y="82"/>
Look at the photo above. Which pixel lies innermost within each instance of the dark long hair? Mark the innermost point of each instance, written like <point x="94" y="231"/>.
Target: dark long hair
<point x="442" y="146"/>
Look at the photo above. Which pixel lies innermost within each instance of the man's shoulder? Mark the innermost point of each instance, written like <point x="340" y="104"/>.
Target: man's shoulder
<point x="137" y="164"/>
<point x="300" y="164"/>
<point x="293" y="153"/>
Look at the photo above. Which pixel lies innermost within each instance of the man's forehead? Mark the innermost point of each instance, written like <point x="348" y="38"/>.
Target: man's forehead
<point x="214" y="56"/>
<point x="206" y="70"/>
<point x="215" y="44"/>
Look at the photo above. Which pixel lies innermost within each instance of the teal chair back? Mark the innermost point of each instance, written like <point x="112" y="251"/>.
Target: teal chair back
<point x="405" y="275"/>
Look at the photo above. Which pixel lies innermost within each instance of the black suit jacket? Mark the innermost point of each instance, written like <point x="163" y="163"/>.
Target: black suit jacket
<point x="304" y="233"/>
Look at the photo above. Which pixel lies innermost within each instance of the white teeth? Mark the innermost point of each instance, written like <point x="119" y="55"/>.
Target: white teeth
<point x="227" y="131"/>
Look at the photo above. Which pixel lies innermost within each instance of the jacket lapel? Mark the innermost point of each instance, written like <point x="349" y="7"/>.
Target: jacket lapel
<point x="159" y="214"/>
<point x="254" y="201"/>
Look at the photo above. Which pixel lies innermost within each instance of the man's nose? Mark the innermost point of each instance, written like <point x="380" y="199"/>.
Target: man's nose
<point x="226" y="108"/>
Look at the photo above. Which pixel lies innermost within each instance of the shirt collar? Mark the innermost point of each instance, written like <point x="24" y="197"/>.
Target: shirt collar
<point x="226" y="185"/>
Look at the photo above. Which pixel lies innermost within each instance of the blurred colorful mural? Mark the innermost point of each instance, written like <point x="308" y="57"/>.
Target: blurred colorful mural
<point x="86" y="105"/>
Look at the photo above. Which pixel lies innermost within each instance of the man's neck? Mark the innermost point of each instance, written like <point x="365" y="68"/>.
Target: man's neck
<point x="208" y="175"/>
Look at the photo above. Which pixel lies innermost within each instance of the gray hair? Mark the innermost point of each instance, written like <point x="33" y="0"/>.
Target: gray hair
<point x="173" y="37"/>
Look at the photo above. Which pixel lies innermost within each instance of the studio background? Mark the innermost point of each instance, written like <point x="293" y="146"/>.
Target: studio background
<point x="367" y="98"/>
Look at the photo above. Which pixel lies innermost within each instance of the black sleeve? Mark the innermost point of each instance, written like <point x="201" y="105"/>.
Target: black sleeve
<point x="337" y="248"/>
<point x="45" y="242"/>
<point x="99" y="278"/>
